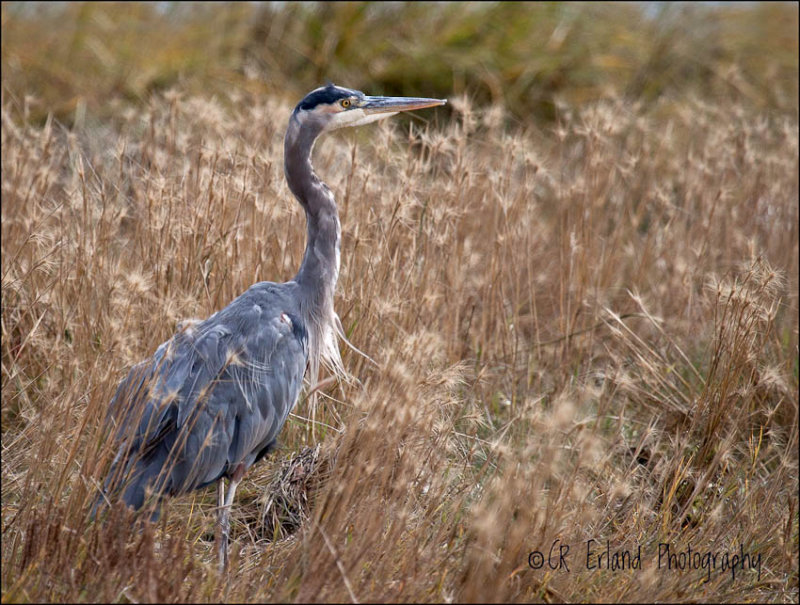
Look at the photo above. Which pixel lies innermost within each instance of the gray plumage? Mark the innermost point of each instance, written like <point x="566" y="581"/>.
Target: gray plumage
<point x="214" y="396"/>
<point x="212" y="400"/>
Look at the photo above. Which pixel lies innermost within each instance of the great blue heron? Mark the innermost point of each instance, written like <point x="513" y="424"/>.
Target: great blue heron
<point x="211" y="400"/>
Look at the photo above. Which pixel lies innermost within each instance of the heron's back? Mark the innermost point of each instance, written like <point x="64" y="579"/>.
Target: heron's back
<point x="214" y="396"/>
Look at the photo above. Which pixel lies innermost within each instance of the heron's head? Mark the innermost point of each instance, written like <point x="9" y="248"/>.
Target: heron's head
<point x="331" y="107"/>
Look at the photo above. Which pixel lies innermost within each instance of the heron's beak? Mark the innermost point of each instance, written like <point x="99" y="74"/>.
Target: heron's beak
<point x="375" y="105"/>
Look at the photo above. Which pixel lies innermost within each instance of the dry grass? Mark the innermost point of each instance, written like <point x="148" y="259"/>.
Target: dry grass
<point x="589" y="333"/>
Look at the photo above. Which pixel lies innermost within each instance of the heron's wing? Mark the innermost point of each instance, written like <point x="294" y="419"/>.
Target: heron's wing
<point x="215" y="394"/>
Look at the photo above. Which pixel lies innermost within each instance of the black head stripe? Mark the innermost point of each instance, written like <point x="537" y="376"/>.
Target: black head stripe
<point x="326" y="95"/>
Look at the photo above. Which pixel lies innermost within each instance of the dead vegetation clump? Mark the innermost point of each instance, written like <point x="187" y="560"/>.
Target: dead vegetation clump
<point x="589" y="333"/>
<point x="285" y="503"/>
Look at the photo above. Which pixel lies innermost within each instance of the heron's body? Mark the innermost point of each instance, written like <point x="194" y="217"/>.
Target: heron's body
<point x="214" y="396"/>
<point x="211" y="401"/>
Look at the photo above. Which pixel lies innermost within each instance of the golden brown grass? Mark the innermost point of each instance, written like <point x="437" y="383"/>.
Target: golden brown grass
<point x="584" y="333"/>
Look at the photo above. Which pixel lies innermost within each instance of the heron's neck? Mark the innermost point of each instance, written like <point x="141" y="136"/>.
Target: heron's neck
<point x="319" y="270"/>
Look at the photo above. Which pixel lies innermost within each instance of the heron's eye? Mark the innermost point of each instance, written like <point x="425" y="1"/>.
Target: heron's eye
<point x="345" y="103"/>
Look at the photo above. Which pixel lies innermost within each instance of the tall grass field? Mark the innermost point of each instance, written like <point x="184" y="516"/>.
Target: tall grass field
<point x="580" y="338"/>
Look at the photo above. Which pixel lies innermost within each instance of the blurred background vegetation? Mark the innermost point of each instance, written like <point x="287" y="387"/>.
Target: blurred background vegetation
<point x="81" y="58"/>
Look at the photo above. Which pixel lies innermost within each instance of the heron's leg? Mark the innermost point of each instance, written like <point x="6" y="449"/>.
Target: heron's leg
<point x="225" y="510"/>
<point x="221" y="536"/>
